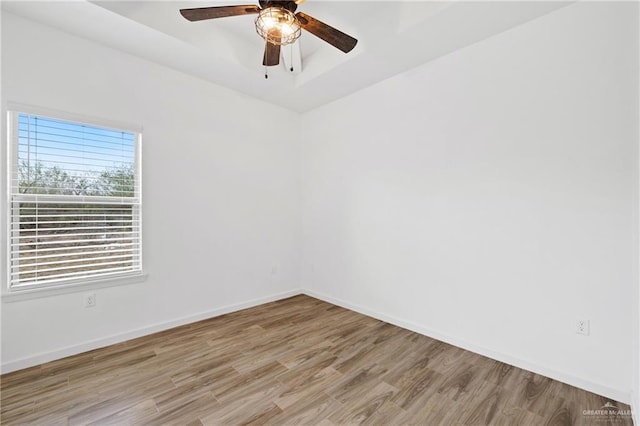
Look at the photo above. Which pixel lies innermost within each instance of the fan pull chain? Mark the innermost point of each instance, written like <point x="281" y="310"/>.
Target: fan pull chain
<point x="291" y="50"/>
<point x="266" y="75"/>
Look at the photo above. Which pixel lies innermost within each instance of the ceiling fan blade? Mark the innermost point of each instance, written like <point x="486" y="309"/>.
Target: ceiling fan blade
<point x="271" y="55"/>
<point x="201" y="13"/>
<point x="326" y="32"/>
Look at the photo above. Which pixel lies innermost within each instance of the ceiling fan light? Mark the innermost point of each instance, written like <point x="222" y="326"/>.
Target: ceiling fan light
<point x="278" y="26"/>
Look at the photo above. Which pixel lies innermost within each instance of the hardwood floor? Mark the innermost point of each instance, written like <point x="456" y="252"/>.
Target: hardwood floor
<point x="295" y="361"/>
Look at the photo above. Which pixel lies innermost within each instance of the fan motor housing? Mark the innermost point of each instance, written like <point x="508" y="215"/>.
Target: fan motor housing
<point x="287" y="4"/>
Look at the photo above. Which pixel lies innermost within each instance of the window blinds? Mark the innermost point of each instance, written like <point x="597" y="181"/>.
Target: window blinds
<point x="75" y="202"/>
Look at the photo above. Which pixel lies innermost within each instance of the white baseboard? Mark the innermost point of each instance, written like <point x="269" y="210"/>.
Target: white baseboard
<point x="614" y="394"/>
<point x="143" y="331"/>
<point x="41" y="358"/>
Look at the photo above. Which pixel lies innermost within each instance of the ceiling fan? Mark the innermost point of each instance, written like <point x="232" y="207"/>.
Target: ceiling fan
<point x="277" y="25"/>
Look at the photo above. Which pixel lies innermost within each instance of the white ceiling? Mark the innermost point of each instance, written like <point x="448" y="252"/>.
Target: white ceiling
<point x="394" y="36"/>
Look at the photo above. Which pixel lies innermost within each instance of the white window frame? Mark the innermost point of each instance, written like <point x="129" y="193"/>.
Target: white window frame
<point x="11" y="293"/>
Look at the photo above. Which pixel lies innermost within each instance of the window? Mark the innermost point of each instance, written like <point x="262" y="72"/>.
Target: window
<point x="74" y="200"/>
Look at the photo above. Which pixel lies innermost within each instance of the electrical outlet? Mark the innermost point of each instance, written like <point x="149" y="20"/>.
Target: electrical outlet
<point x="89" y="300"/>
<point x="582" y="326"/>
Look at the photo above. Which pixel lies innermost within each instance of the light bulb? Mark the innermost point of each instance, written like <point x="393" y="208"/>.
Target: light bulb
<point x="278" y="26"/>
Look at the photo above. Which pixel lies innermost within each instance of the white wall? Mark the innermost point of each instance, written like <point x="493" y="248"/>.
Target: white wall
<point x="221" y="196"/>
<point x="487" y="198"/>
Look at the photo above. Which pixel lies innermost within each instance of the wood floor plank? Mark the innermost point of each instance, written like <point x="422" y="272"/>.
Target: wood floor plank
<point x="135" y="414"/>
<point x="310" y="410"/>
<point x="294" y="361"/>
<point x="387" y="414"/>
<point x="485" y="404"/>
<point x="459" y="383"/>
<point x="263" y="417"/>
<point x="417" y="388"/>
<point x="514" y="416"/>
<point x="299" y="374"/>
<point x="245" y="407"/>
<point x="251" y="381"/>
<point x="307" y="388"/>
<point x="181" y="394"/>
<point x="365" y="405"/>
<point x="353" y="385"/>
<point x="189" y="411"/>
<point x="18" y="410"/>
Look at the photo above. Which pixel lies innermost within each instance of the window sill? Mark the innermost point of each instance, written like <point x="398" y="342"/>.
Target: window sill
<point x="36" y="293"/>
